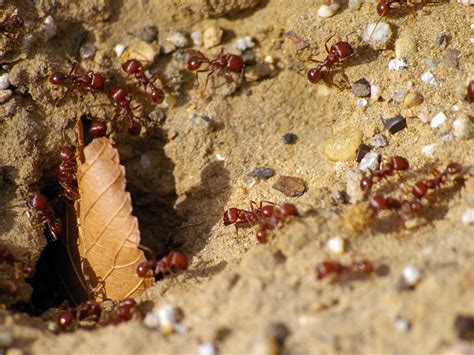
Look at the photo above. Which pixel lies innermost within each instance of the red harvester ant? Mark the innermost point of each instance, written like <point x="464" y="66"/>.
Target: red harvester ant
<point x="121" y="97"/>
<point x="326" y="268"/>
<point x="40" y="204"/>
<point x="470" y="91"/>
<point x="11" y="23"/>
<point x="225" y="62"/>
<point x="389" y="166"/>
<point x="338" y="51"/>
<point x="67" y="173"/>
<point x="172" y="261"/>
<point x="97" y="129"/>
<point x="135" y="67"/>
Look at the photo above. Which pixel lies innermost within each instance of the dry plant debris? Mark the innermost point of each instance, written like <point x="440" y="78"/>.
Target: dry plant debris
<point x="108" y="232"/>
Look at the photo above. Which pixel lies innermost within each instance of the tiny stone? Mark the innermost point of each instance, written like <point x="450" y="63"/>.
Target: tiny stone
<point x="87" y="50"/>
<point x="249" y="182"/>
<point x="196" y="37"/>
<point x="156" y="115"/>
<point x="380" y="36"/>
<point x="262" y="173"/>
<point x="394" y="124"/>
<point x="353" y="190"/>
<point x="145" y="161"/>
<point x="152" y="320"/>
<point x="5" y="95"/>
<point x="336" y="245"/>
<point x="244" y="43"/>
<point x="464" y="325"/>
<point x="49" y="28"/>
<point x="6" y="339"/>
<point x="328" y="10"/>
<point x="289" y="138"/>
<point x="220" y="157"/>
<point x="212" y="36"/>
<point x="429" y="149"/>
<point x="119" y="49"/>
<point x="291" y="186"/>
<point x="378" y="141"/>
<point x="397" y="65"/>
<point x="462" y="128"/>
<point x="451" y="58"/>
<point x="468" y="216"/>
<point x="179" y="39"/>
<point x="410" y="275"/>
<point x="277" y="331"/>
<point x="402" y="325"/>
<point x="362" y="150"/>
<point x="200" y="121"/>
<point x="4" y="82"/>
<point x="354" y="4"/>
<point x="405" y="46"/>
<point x="399" y="94"/>
<point x="375" y="92"/>
<point x="207" y="349"/>
<point x="361" y="102"/>
<point x="432" y="63"/>
<point x="428" y="78"/>
<point x="370" y="162"/>
<point x="343" y="144"/>
<point x="438" y="120"/>
<point x="147" y="34"/>
<point x="413" y="98"/>
<point x="142" y="51"/>
<point x="361" y="88"/>
<point x="442" y="39"/>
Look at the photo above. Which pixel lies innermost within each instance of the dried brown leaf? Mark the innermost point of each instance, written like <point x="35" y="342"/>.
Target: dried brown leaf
<point x="108" y="232"/>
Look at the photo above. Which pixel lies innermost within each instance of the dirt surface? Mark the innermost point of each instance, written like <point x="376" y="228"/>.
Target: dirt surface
<point x="192" y="160"/>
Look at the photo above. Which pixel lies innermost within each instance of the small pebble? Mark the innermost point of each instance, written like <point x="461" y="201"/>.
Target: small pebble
<point x="152" y="320"/>
<point x="429" y="149"/>
<point x="207" y="349"/>
<point x="262" y="173"/>
<point x="432" y="63"/>
<point x="212" y="36"/>
<point x="462" y="128"/>
<point x="328" y="10"/>
<point x="370" y="162"/>
<point x="464" y="325"/>
<point x="466" y="2"/>
<point x="411" y="275"/>
<point x="336" y="245"/>
<point x="6" y="339"/>
<point x="375" y="92"/>
<point x="343" y="144"/>
<point x="145" y="161"/>
<point x="250" y="182"/>
<point x="362" y="150"/>
<point x="451" y="58"/>
<point x="196" y="37"/>
<point x="49" y="28"/>
<point x="399" y="94"/>
<point x="179" y="39"/>
<point x="438" y="120"/>
<point x="277" y="331"/>
<point x="397" y="65"/>
<point x="442" y="39"/>
<point x="291" y="186"/>
<point x="394" y="124"/>
<point x="87" y="50"/>
<point x="354" y="4"/>
<point x="169" y="318"/>
<point x="428" y="78"/>
<point x="412" y="99"/>
<point x="361" y="103"/>
<point x="244" y="43"/>
<point x="157" y="115"/>
<point x="5" y="95"/>
<point x="361" y="88"/>
<point x="119" y="49"/>
<point x="4" y="81"/>
<point x="143" y="51"/>
<point x="353" y="190"/>
<point x="402" y="325"/>
<point x="405" y="46"/>
<point x="380" y="36"/>
<point x="200" y="121"/>
<point x="289" y="138"/>
<point x="148" y="34"/>
<point x="378" y="141"/>
<point x="468" y="216"/>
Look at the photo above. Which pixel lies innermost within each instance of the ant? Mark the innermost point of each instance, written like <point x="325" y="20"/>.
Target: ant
<point x="336" y="52"/>
<point x="97" y="129"/>
<point x="40" y="204"/>
<point x="170" y="262"/>
<point x="225" y="62"/>
<point x="135" y="67"/>
<point x="357" y="268"/>
<point x="11" y="23"/>
<point x="126" y="309"/>
<point x="420" y="189"/>
<point x="121" y="97"/>
<point x="66" y="173"/>
<point x="388" y="168"/>
<point x="470" y="91"/>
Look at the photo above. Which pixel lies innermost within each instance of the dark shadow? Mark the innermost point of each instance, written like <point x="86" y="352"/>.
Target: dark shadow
<point x="8" y="175"/>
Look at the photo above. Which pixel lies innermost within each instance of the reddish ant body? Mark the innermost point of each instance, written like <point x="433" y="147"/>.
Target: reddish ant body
<point x="388" y="168"/>
<point x="40" y="204"/>
<point x="67" y="173"/>
<point x="470" y="91"/>
<point x="326" y="268"/>
<point x="90" y="80"/>
<point x="225" y="62"/>
<point x="135" y="67"/>
<point x="170" y="262"/>
<point x="121" y="97"/>
<point x="98" y="129"/>
<point x="11" y="23"/>
<point x="338" y="51"/>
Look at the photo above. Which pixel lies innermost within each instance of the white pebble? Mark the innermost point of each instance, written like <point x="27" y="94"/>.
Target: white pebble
<point x="244" y="43"/>
<point x="250" y="182"/>
<point x="468" y="216"/>
<point x="466" y="2"/>
<point x="378" y="141"/>
<point x="178" y="39"/>
<point x="375" y="92"/>
<point x="220" y="157"/>
<point x="462" y="128"/>
<point x="152" y="320"/>
<point x="87" y="50"/>
<point x="381" y="35"/>
<point x="4" y="82"/>
<point x="361" y="102"/>
<point x="355" y="4"/>
<point x="370" y="161"/>
<point x="402" y="325"/>
<point x="5" y="95"/>
<point x="269" y="59"/>
<point x="207" y="349"/>
<point x="397" y="65"/>
<point x="49" y="28"/>
<point x="145" y="161"/>
<point x="168" y="315"/>
<point x="429" y="149"/>
<point x="429" y="78"/>
<point x="336" y="245"/>
<point x="119" y="49"/>
<point x="328" y="10"/>
<point x="411" y="275"/>
<point x="6" y="339"/>
<point x="196" y="37"/>
<point x="438" y="120"/>
<point x="399" y="94"/>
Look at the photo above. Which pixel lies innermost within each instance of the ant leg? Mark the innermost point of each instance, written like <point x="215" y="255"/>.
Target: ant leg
<point x="326" y="44"/>
<point x="207" y="78"/>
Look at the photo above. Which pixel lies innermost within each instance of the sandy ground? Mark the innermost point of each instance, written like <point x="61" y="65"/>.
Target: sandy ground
<point x="235" y="288"/>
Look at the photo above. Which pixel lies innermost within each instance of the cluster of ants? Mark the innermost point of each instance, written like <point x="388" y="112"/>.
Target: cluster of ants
<point x="267" y="217"/>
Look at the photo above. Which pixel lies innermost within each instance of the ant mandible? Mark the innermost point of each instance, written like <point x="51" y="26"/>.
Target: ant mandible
<point x="135" y="67"/>
<point x="11" y="23"/>
<point x="225" y="62"/>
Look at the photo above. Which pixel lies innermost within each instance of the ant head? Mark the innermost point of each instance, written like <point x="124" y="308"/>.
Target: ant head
<point x="57" y="78"/>
<point x="97" y="81"/>
<point x="194" y="63"/>
<point x="383" y="8"/>
<point x="131" y="66"/>
<point x="118" y="94"/>
<point x="98" y="129"/>
<point x="17" y="21"/>
<point x="38" y="202"/>
<point x="157" y="95"/>
<point x="314" y="75"/>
